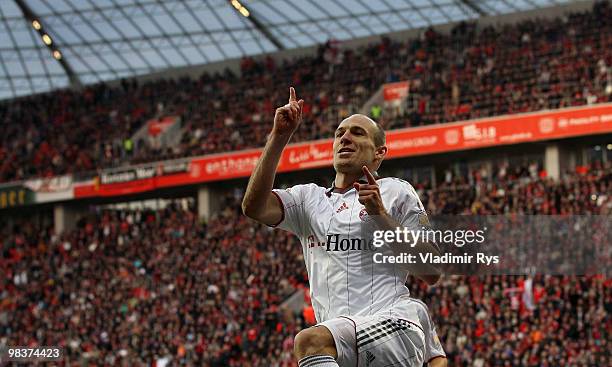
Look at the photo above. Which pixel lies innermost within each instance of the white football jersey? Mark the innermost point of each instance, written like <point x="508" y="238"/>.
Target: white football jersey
<point x="336" y="231"/>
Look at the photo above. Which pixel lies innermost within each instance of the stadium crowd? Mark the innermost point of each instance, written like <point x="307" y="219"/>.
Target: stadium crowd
<point x="495" y="320"/>
<point x="161" y="287"/>
<point x="142" y="286"/>
<point x="472" y="72"/>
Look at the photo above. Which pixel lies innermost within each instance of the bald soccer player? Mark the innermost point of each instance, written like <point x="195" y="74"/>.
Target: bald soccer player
<point x="364" y="313"/>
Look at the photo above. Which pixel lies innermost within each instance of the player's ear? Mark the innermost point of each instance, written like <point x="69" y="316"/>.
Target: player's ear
<point x="381" y="152"/>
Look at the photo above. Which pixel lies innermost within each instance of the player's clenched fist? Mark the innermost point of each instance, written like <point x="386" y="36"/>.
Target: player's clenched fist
<point x="369" y="194"/>
<point x="288" y="118"/>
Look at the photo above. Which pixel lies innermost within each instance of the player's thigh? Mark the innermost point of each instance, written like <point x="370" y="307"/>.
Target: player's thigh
<point x="372" y="341"/>
<point x="343" y="332"/>
<point x="389" y="341"/>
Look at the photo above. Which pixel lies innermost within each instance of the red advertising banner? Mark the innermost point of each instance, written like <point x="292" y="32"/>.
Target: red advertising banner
<point x="505" y="130"/>
<point x="395" y="91"/>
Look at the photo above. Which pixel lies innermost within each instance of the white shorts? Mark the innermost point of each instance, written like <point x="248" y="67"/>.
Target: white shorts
<point x="384" y="339"/>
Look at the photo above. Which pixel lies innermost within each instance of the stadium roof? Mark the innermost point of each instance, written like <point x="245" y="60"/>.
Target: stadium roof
<point x="96" y="40"/>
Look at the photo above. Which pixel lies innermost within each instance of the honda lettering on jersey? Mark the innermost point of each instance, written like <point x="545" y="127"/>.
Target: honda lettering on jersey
<point x="336" y="243"/>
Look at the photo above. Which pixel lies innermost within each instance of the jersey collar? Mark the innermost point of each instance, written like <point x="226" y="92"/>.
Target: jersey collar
<point x="362" y="180"/>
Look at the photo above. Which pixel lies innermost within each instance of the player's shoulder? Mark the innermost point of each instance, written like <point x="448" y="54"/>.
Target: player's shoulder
<point x="397" y="185"/>
<point x="307" y="189"/>
<point x="421" y="309"/>
<point x="395" y="181"/>
<point x="419" y="304"/>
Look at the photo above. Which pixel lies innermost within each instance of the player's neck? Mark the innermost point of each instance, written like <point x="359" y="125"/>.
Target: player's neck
<point x="344" y="181"/>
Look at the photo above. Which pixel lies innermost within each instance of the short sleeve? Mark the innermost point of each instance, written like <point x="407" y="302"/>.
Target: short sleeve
<point x="410" y="212"/>
<point x="407" y="207"/>
<point x="293" y="202"/>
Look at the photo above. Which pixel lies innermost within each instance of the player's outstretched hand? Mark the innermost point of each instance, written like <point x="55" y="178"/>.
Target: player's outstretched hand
<point x="288" y="118"/>
<point x="369" y="194"/>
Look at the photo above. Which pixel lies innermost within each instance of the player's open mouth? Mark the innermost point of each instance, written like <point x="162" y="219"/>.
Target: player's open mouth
<point x="345" y="151"/>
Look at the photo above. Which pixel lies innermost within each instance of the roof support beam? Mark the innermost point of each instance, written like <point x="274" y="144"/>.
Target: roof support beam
<point x="273" y="11"/>
<point x="141" y="33"/>
<point x="262" y="28"/>
<point x="75" y="82"/>
<point x="474" y="6"/>
<point x="227" y="29"/>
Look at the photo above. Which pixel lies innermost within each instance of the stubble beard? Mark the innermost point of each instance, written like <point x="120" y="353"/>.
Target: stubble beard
<point x="347" y="167"/>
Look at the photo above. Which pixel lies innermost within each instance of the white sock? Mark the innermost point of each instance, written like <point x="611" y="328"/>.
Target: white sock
<point x="318" y="361"/>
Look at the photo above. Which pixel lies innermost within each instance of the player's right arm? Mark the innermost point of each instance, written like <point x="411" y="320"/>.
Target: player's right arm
<point x="259" y="202"/>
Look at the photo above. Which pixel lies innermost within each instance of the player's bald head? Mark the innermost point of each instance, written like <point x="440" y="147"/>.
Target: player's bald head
<point x="377" y="132"/>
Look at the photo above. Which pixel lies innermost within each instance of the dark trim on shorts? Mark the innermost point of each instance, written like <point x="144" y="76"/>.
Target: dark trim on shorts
<point x="410" y="322"/>
<point x="355" y="326"/>
<point x="282" y="205"/>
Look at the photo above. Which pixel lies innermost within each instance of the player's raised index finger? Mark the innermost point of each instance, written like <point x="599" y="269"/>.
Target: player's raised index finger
<point x="292" y="94"/>
<point x="369" y="176"/>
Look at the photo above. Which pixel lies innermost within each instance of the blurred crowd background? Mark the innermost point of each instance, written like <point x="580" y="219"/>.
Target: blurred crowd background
<point x="158" y="286"/>
<point x="470" y="73"/>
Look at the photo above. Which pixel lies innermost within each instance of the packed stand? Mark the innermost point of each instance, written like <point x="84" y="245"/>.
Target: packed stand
<point x="160" y="286"/>
<point x="533" y="65"/>
<point x="522" y="189"/>
<point x="136" y="287"/>
<point x="470" y="73"/>
<point x="66" y="131"/>
<point x="496" y="320"/>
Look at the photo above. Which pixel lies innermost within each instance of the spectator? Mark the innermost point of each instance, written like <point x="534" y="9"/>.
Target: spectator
<point x="469" y="73"/>
<point x="161" y="287"/>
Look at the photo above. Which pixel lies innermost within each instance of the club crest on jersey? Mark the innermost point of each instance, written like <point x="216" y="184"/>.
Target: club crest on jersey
<point x="342" y="207"/>
<point x="423" y="220"/>
<point x="363" y="214"/>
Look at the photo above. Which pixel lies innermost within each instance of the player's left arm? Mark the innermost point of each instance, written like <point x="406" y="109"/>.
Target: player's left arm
<point x="369" y="196"/>
<point x="439" y="361"/>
